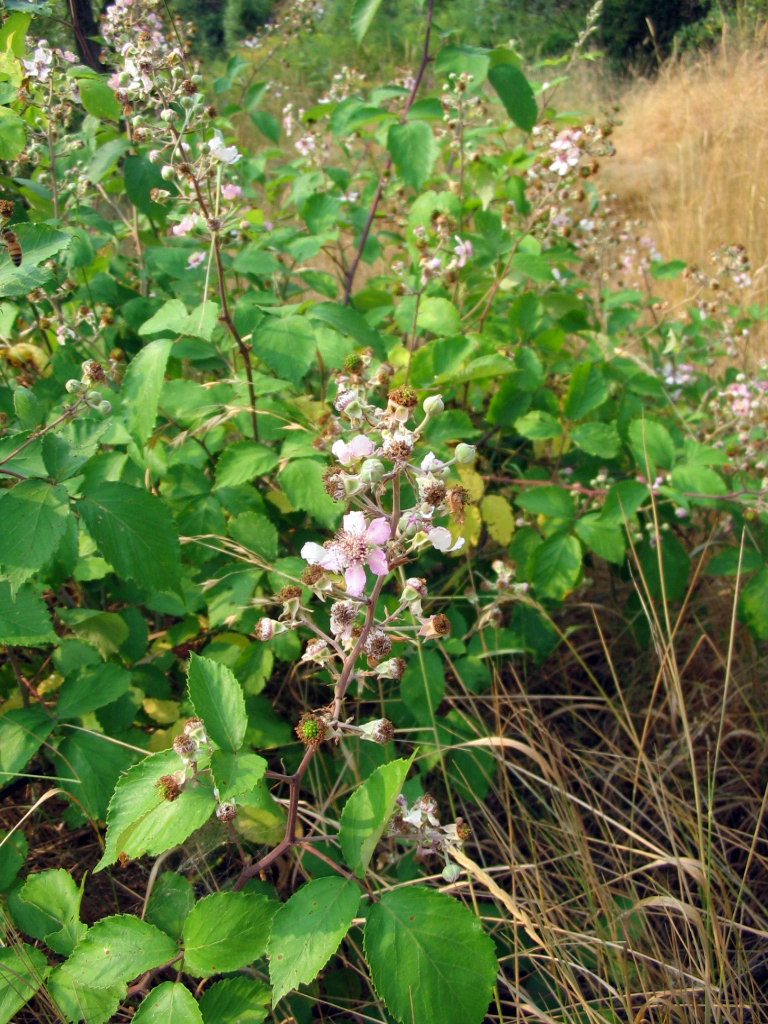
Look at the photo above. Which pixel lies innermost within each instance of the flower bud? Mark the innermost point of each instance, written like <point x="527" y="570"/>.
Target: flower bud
<point x="93" y="396"/>
<point x="105" y="407"/>
<point x="167" y="173"/>
<point x="371" y="471"/>
<point x="433" y="405"/>
<point x="465" y="454"/>
<point x="451" y="873"/>
<point x="155" y="156"/>
<point x="168" y="115"/>
<point x="74" y="387"/>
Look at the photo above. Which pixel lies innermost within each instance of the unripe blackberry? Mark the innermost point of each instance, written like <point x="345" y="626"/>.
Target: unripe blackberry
<point x="169" y="784"/>
<point x="311" y="730"/>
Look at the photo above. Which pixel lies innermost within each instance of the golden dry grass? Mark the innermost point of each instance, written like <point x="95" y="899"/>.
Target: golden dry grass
<point x="692" y="158"/>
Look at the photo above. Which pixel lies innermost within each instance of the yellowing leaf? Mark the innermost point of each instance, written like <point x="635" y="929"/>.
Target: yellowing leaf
<point x="498" y="517"/>
<point x="473" y="524"/>
<point x="163" y="711"/>
<point x="473" y="482"/>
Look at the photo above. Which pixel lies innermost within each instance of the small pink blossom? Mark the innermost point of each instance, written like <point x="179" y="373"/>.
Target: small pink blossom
<point x="354" y="544"/>
<point x="360" y="447"/>
<point x="463" y="250"/>
<point x="231" y="192"/>
<point x="185" y="225"/>
<point x="195" y="260"/>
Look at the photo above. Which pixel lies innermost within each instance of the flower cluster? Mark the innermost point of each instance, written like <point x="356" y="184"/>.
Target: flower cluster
<point x="419" y="824"/>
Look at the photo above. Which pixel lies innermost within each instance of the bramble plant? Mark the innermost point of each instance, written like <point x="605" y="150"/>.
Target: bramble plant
<point x="249" y="500"/>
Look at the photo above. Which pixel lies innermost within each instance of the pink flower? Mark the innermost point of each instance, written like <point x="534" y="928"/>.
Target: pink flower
<point x="231" y="192"/>
<point x="463" y="250"/>
<point x="195" y="260"/>
<point x="360" y="447"/>
<point x="185" y="225"/>
<point x="355" y="543"/>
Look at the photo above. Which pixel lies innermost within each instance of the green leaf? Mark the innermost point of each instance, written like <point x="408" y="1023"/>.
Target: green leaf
<point x="225" y="931"/>
<point x="95" y="762"/>
<point x="218" y="699"/>
<point x="170" y="1001"/>
<point x="141" y="388"/>
<point x="413" y="149"/>
<point x="14" y="847"/>
<point x="538" y="425"/>
<point x="348" y="321"/>
<point x="600" y="439"/>
<point x="606" y="539"/>
<point x="78" y="1001"/>
<point x="117" y="949"/>
<point x="362" y="15"/>
<point x="516" y="94"/>
<point x="287" y="346"/>
<point x="555" y="502"/>
<point x="22" y="731"/>
<point x="731" y="561"/>
<point x="237" y="774"/>
<point x="267" y="124"/>
<point x="13" y="134"/>
<point x="140" y="820"/>
<point x="255" y="532"/>
<point x="623" y="500"/>
<point x="99" y="100"/>
<point x="699" y="480"/>
<point x="439" y="316"/>
<point x="173" y="318"/>
<point x="56" y="896"/>
<point x="469" y="59"/>
<point x="91" y="688"/>
<point x="587" y="391"/>
<point x="39" y="242"/>
<point x="240" y="462"/>
<point x="23" y="970"/>
<point x="141" y="177"/>
<point x="753" y="604"/>
<point x="302" y="481"/>
<point x="422" y="686"/>
<point x="675" y="565"/>
<point x="429" y="958"/>
<point x="556" y="566"/>
<point x="236" y="999"/>
<point x="134" y="531"/>
<point x="25" y="620"/>
<point x="651" y="445"/>
<point x="34" y="516"/>
<point x="307" y="930"/>
<point x="367" y="812"/>
<point x="664" y="271"/>
<point x="170" y="901"/>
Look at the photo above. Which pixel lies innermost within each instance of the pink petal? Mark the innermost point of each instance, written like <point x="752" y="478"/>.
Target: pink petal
<point x="377" y="562"/>
<point x="341" y="450"/>
<point x="354" y="523"/>
<point x="355" y="579"/>
<point x="361" y="446"/>
<point x="378" y="531"/>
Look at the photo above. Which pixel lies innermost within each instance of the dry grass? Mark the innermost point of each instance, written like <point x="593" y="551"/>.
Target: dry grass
<point x="692" y="158"/>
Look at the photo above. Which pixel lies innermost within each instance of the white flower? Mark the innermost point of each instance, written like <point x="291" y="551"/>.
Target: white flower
<point x="224" y="154"/>
<point x="440" y="538"/>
